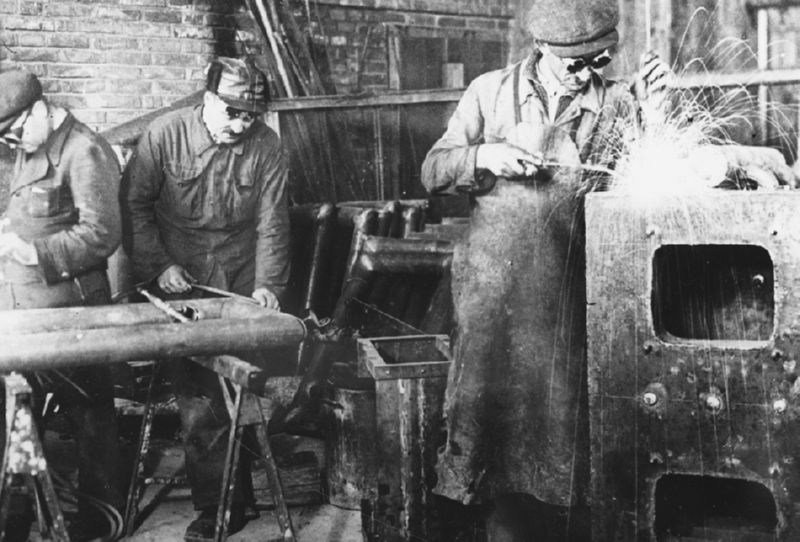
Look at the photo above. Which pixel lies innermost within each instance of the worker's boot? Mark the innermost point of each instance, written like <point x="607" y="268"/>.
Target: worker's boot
<point x="202" y="528"/>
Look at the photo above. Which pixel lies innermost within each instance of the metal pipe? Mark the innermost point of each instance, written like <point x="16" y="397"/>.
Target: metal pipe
<point x="389" y="220"/>
<point x="412" y="221"/>
<point x="126" y="314"/>
<point x="41" y="351"/>
<point x="323" y="237"/>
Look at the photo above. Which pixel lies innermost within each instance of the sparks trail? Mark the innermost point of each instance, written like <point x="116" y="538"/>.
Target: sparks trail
<point x="687" y="137"/>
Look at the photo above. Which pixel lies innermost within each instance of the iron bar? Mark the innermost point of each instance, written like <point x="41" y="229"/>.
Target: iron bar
<point x="122" y="315"/>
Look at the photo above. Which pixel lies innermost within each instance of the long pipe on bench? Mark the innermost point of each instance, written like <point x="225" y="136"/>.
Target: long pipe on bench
<point x="41" y="339"/>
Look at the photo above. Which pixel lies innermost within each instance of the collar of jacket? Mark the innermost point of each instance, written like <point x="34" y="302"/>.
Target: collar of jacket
<point x="590" y="99"/>
<point x="201" y="139"/>
<point x="37" y="165"/>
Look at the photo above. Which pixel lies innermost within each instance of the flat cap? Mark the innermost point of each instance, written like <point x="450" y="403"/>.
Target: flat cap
<point x="575" y="28"/>
<point x="18" y="90"/>
<point x="240" y="84"/>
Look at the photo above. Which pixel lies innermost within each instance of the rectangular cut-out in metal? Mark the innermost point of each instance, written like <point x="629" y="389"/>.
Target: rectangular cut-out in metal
<point x="714" y="292"/>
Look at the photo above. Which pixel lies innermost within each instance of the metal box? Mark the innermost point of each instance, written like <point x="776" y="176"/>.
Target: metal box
<point x="693" y="322"/>
<point x="410" y="376"/>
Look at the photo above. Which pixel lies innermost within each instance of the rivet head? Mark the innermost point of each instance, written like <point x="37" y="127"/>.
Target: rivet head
<point x="776" y="355"/>
<point x="650" y="399"/>
<point x="757" y="280"/>
<point x="713" y="401"/>
<point x="780" y="405"/>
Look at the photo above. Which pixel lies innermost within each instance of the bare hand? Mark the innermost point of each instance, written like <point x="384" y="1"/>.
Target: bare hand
<point x="12" y="246"/>
<point x="175" y="280"/>
<point x="506" y="160"/>
<point x="266" y="299"/>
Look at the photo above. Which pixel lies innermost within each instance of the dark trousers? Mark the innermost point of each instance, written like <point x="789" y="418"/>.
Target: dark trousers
<point x="83" y="394"/>
<point x="205" y="424"/>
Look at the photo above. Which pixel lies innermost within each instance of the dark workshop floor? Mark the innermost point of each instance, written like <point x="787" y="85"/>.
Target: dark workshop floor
<point x="169" y="519"/>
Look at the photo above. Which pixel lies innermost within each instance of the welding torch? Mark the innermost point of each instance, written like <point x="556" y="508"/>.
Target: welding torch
<point x="534" y="166"/>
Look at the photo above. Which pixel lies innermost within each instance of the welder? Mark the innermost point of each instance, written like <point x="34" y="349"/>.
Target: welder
<point x="516" y="403"/>
<point x="61" y="224"/>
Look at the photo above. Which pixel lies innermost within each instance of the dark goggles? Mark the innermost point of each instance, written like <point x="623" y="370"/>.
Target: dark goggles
<point x="13" y="136"/>
<point x="245" y="116"/>
<point x="574" y="65"/>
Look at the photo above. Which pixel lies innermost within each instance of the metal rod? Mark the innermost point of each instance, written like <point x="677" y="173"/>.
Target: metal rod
<point x="224" y="293"/>
<point x="762" y="51"/>
<point x="323" y="229"/>
<point x="163" y="306"/>
<point x="127" y="314"/>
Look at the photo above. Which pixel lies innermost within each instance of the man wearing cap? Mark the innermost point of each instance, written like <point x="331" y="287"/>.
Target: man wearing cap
<point x="516" y="400"/>
<point x="61" y="224"/>
<point x="204" y="199"/>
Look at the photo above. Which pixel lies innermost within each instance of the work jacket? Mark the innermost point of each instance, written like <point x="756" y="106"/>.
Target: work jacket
<point x="63" y="199"/>
<point x="219" y="211"/>
<point x="516" y="402"/>
<point x="500" y="106"/>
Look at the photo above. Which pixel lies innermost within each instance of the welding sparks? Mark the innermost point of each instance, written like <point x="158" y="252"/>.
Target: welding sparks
<point x="681" y="144"/>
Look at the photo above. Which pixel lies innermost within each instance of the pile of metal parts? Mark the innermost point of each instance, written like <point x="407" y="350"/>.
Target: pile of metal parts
<point x="371" y="268"/>
<point x="375" y="271"/>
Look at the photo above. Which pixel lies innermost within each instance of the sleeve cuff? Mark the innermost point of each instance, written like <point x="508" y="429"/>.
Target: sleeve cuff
<point x="48" y="264"/>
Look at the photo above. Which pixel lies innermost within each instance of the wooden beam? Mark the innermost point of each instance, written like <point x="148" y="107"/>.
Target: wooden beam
<point x="761" y="4"/>
<point x="366" y="100"/>
<point x="749" y="78"/>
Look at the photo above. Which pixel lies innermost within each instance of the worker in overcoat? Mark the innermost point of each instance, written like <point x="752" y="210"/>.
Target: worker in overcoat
<point x="204" y="200"/>
<point x="526" y="142"/>
<point x="516" y="400"/>
<point x="61" y="224"/>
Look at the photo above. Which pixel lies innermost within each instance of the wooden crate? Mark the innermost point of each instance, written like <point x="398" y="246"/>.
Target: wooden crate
<point x="693" y="323"/>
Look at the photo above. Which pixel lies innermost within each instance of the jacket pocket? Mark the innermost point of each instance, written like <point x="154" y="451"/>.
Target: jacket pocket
<point x="44" y="200"/>
<point x="242" y="204"/>
<point x="184" y="191"/>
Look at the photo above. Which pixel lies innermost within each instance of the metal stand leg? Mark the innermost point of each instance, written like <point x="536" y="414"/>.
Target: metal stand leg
<point x="23" y="455"/>
<point x="245" y="410"/>
<point x="139" y="479"/>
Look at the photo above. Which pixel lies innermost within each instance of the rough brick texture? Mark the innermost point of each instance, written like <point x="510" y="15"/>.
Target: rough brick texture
<point x="113" y="60"/>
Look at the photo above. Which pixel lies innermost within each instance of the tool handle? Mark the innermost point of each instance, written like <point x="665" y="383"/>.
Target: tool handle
<point x="163" y="306"/>
<point x="224" y="293"/>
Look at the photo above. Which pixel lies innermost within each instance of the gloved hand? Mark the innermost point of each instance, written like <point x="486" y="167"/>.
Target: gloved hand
<point x="175" y="280"/>
<point x="506" y="160"/>
<point x="764" y="166"/>
<point x="651" y="88"/>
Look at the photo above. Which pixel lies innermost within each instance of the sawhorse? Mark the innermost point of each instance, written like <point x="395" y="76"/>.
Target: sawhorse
<point x="23" y="456"/>
<point x="241" y="382"/>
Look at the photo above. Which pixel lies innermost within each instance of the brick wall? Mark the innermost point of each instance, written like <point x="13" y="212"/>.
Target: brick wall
<point x="110" y="61"/>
